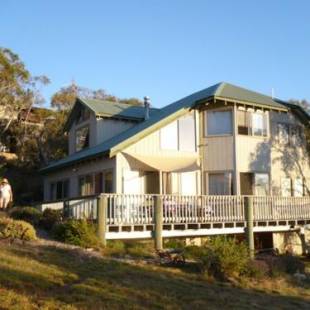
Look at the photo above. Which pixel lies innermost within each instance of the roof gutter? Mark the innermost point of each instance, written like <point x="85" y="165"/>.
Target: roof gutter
<point x="73" y="162"/>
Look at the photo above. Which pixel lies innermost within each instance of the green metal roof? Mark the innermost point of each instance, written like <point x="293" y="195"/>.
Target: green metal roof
<point x="108" y="109"/>
<point x="163" y="116"/>
<point x="228" y="91"/>
<point x="116" y="109"/>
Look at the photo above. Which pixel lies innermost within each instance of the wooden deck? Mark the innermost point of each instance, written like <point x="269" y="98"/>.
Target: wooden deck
<point x="133" y="216"/>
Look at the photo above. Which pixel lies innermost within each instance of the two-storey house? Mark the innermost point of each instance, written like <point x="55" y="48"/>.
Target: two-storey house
<point x="222" y="140"/>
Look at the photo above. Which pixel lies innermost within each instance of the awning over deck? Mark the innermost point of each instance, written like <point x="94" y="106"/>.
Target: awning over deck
<point x="167" y="163"/>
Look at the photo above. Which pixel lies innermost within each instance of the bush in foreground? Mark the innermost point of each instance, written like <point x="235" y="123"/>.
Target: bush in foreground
<point x="50" y="218"/>
<point x="76" y="232"/>
<point x="27" y="214"/>
<point x="14" y="229"/>
<point x="221" y="257"/>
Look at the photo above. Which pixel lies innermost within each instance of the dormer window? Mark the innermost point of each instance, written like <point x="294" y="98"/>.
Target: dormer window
<point x="81" y="138"/>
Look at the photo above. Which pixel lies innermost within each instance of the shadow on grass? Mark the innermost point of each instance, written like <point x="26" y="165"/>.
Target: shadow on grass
<point x="98" y="283"/>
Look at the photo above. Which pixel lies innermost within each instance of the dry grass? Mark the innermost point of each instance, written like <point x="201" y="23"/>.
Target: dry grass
<point x="43" y="277"/>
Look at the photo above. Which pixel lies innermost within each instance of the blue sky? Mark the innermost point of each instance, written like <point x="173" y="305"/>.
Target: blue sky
<point x="165" y="49"/>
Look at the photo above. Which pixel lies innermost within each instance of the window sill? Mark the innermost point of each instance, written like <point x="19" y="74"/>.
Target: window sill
<point x="218" y="136"/>
<point x="255" y="137"/>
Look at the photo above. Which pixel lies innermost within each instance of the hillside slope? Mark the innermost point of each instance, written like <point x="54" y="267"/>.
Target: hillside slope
<point x="45" y="277"/>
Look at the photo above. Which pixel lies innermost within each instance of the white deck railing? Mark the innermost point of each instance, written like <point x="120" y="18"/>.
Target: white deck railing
<point x="123" y="209"/>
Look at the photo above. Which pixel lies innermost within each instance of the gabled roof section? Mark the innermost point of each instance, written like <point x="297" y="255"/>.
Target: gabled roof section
<point x="161" y="117"/>
<point x="108" y="109"/>
<point x="239" y="94"/>
<point x="157" y="120"/>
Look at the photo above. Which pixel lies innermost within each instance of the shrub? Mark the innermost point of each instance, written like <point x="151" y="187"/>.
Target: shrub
<point x="14" y="229"/>
<point x="222" y="257"/>
<point x="194" y="252"/>
<point x="27" y="214"/>
<point x="115" y="248"/>
<point x="174" y="244"/>
<point x="257" y="269"/>
<point x="50" y="218"/>
<point x="139" y="249"/>
<point x="286" y="264"/>
<point x="76" y="232"/>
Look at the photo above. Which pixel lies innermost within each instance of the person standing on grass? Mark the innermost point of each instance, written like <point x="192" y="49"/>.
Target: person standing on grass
<point x="6" y="194"/>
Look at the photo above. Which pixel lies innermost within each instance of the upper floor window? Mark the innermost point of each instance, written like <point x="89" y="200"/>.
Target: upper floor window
<point x="179" y="135"/>
<point x="218" y="123"/>
<point x="252" y="123"/>
<point x="82" y="138"/>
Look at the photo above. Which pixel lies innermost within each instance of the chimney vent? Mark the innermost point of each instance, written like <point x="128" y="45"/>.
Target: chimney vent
<point x="146" y="108"/>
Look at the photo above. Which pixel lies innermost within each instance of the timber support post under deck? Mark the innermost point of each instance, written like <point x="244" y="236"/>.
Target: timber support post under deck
<point x="158" y="222"/>
<point x="249" y="217"/>
<point x="102" y="206"/>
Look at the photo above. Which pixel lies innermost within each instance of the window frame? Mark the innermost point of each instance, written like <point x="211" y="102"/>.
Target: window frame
<point x="254" y="181"/>
<point x="249" y="115"/>
<point x="205" y="123"/>
<point x="223" y="172"/>
<point x="87" y="137"/>
<point x="54" y="191"/>
<point x="84" y="176"/>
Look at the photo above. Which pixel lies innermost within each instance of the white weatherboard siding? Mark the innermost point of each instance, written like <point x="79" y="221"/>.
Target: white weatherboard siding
<point x="108" y="128"/>
<point x="218" y="153"/>
<point x="133" y="182"/>
<point x="289" y="160"/>
<point x="150" y="147"/>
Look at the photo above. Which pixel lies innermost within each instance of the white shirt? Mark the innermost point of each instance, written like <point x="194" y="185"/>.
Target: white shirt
<point x="5" y="190"/>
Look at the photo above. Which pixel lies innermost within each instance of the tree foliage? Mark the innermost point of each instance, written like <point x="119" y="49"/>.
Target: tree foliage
<point x="19" y="90"/>
<point x="65" y="97"/>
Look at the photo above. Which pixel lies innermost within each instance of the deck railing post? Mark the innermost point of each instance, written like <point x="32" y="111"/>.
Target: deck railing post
<point x="249" y="217"/>
<point x="158" y="222"/>
<point x="102" y="206"/>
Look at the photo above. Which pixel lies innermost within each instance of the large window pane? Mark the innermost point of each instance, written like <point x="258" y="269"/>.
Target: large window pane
<point x="258" y="124"/>
<point x="187" y="141"/>
<point x="86" y="186"/>
<point x="243" y="123"/>
<point x="82" y="138"/>
<point x="219" y="122"/>
<point x="169" y="136"/>
<point x="220" y="183"/>
<point x="188" y="183"/>
<point x="252" y="123"/>
<point x="261" y="184"/>
<point x="59" y="189"/>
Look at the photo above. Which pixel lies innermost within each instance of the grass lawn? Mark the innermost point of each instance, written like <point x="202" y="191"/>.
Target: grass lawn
<point x="44" y="277"/>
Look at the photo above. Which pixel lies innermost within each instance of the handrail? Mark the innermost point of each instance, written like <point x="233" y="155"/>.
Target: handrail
<point x="139" y="209"/>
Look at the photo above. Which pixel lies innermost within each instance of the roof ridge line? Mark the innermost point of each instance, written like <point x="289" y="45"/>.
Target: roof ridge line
<point x="220" y="88"/>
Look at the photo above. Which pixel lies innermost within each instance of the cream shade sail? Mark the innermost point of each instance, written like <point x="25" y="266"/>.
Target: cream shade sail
<point x="168" y="163"/>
